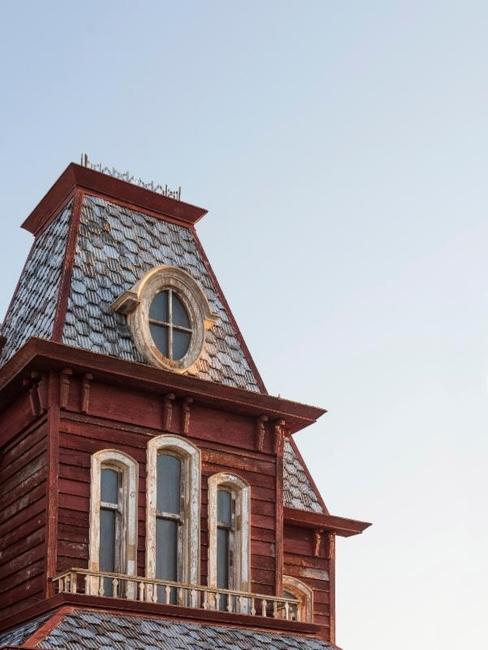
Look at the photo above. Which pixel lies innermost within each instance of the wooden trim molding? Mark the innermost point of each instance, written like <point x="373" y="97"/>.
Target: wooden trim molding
<point x="330" y="523"/>
<point x="242" y="546"/>
<point x="136" y="304"/>
<point x="304" y="594"/>
<point x="190" y="455"/>
<point x="42" y="354"/>
<point x="94" y="182"/>
<point x="130" y="487"/>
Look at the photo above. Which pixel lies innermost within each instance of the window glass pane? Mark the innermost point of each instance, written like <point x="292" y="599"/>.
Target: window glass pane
<point x="169" y="484"/>
<point x="180" y="315"/>
<point x="223" y="558"/>
<point x="224" y="507"/>
<point x="166" y="549"/>
<point x="181" y="343"/>
<point x="160" y="337"/>
<point x="107" y="540"/>
<point x="110" y="485"/>
<point x="159" y="307"/>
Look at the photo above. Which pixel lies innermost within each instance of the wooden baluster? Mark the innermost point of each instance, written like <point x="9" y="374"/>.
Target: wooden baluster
<point x="141" y="591"/>
<point x="115" y="587"/>
<point x="87" y="584"/>
<point x="275" y="609"/>
<point x="73" y="580"/>
<point x="155" y="593"/>
<point x="287" y="611"/>
<point x="253" y="606"/>
<point x="217" y="601"/>
<point x="264" y="605"/>
<point x="167" y="590"/>
<point x="205" y="599"/>
<point x="229" y="603"/>
<point x="101" y="586"/>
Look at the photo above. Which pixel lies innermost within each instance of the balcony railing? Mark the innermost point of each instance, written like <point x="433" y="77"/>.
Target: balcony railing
<point x="149" y="590"/>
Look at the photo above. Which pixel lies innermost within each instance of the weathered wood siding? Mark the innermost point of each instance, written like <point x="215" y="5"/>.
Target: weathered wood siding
<point x="126" y="420"/>
<point x="300" y="562"/>
<point x="23" y="480"/>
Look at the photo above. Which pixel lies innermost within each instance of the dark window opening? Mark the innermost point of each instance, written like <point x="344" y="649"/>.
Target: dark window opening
<point x="170" y="325"/>
<point x="225" y="541"/>
<point x="169" y="522"/>
<point x="110" y="552"/>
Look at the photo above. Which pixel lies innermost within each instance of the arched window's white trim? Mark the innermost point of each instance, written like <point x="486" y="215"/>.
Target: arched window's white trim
<point x="128" y="468"/>
<point x="242" y="550"/>
<point x="190" y="457"/>
<point x="304" y="594"/>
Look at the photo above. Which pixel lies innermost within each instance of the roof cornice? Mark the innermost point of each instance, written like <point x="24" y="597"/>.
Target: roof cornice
<point x="94" y="182"/>
<point x="40" y="354"/>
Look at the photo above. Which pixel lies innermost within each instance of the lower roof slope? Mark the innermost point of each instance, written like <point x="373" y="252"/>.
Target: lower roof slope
<point x="82" y="629"/>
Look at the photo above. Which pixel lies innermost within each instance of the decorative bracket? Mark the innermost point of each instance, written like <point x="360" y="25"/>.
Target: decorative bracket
<point x="318" y="539"/>
<point x="261" y="431"/>
<point x="279" y="435"/>
<point x="85" y="392"/>
<point x="331" y="546"/>
<point x="186" y="411"/>
<point x="33" y="383"/>
<point x="169" y="398"/>
<point x="64" y="384"/>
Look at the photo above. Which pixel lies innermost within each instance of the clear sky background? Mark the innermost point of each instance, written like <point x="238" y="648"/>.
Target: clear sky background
<point x="342" y="151"/>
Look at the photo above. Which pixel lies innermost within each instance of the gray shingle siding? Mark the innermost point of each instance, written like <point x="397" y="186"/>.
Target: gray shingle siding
<point x="20" y="634"/>
<point x="298" y="492"/>
<point x="116" y="247"/>
<point x="90" y="629"/>
<point x="33" y="308"/>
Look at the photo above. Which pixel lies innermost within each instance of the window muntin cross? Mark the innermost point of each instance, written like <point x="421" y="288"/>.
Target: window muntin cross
<point x="170" y="325"/>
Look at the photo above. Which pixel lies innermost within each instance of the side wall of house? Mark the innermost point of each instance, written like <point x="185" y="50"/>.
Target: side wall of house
<point x="23" y="500"/>
<point x="306" y="558"/>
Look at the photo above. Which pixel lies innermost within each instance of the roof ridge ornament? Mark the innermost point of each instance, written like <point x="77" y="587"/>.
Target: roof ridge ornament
<point x="129" y="178"/>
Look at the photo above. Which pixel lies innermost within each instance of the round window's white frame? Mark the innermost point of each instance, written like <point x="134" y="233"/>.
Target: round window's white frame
<point x="137" y="302"/>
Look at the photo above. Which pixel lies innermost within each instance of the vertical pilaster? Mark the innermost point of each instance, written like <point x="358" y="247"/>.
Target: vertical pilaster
<point x="52" y="489"/>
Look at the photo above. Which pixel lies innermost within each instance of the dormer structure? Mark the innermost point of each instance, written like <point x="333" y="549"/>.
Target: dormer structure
<point x="153" y="493"/>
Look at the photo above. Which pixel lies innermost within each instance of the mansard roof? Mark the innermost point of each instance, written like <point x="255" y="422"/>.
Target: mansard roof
<point x="112" y="248"/>
<point x="81" y="629"/>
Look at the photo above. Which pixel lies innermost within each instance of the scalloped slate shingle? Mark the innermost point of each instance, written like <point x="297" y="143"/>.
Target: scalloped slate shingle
<point x="20" y="634"/>
<point x="116" y="247"/>
<point x="104" y="631"/>
<point x="33" y="308"/>
<point x="298" y="493"/>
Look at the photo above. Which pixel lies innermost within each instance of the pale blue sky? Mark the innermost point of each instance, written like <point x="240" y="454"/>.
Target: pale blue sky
<point x="341" y="148"/>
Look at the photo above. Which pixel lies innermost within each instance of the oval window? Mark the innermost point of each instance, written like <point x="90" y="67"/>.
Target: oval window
<point x="170" y="325"/>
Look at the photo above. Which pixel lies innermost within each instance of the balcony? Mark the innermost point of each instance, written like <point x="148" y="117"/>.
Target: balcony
<point x="148" y="590"/>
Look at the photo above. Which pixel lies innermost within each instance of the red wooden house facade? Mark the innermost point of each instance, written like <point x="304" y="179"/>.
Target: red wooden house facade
<point x="152" y="495"/>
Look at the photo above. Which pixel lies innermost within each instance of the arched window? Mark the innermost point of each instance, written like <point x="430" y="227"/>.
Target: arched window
<point x="298" y="590"/>
<point x="173" y="511"/>
<point x="229" y="506"/>
<point x="113" y="517"/>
